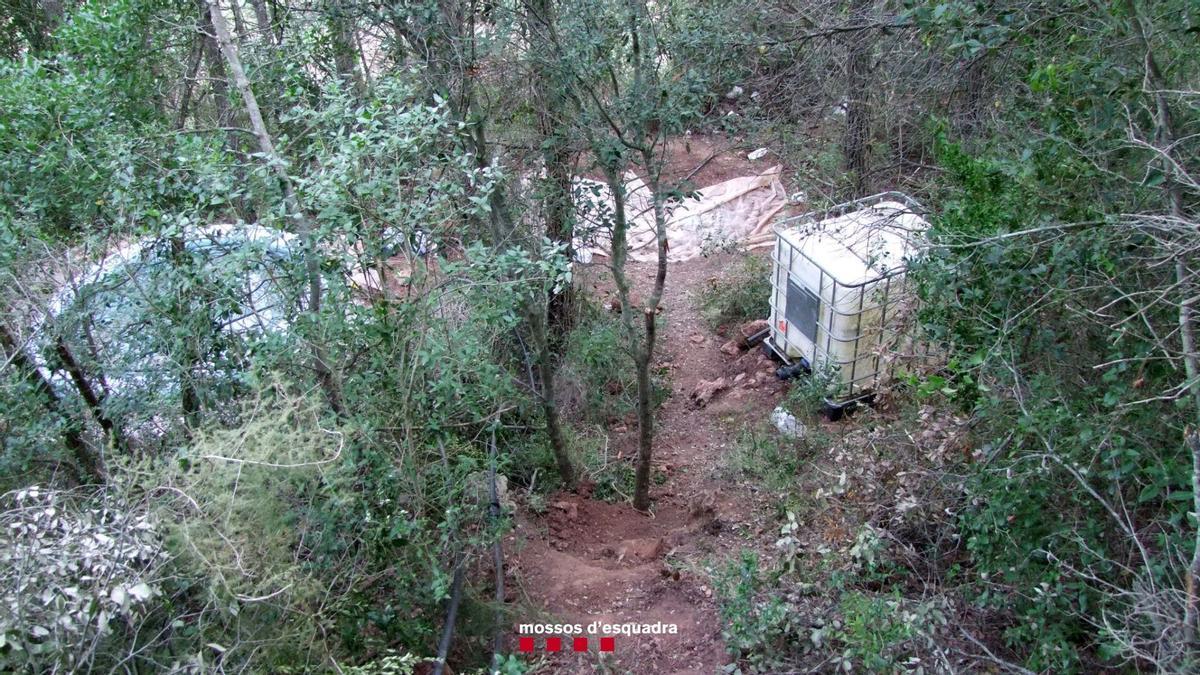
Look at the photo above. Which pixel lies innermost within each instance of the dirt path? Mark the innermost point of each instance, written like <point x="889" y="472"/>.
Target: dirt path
<point x="587" y="560"/>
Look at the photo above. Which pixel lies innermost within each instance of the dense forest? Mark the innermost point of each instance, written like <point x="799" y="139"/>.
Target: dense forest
<point x="356" y="336"/>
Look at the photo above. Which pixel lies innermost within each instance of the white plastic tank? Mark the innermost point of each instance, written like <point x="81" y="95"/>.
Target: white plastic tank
<point x="838" y="281"/>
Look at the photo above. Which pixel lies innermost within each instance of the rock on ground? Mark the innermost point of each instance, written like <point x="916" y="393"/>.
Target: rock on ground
<point x="706" y="389"/>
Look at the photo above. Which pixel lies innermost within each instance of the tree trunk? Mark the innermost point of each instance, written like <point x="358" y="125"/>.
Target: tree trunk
<point x="216" y="74"/>
<point x="500" y="227"/>
<point x="89" y="463"/>
<point x="185" y="97"/>
<point x="858" y="114"/>
<point x="302" y="222"/>
<point x="641" y="492"/>
<point x="262" y="20"/>
<point x="553" y="127"/>
<point x="239" y="24"/>
<point x="277" y="14"/>
<point x="345" y="51"/>
<point x="1164" y="139"/>
<point x="641" y="483"/>
<point x="644" y="142"/>
<point x="546" y="373"/>
<point x="189" y="397"/>
<point x="94" y="401"/>
<point x="642" y="346"/>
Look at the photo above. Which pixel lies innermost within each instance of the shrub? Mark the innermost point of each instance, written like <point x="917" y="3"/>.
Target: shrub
<point x="742" y="293"/>
<point x="76" y="571"/>
<point x="807" y="395"/>
<point x="770" y="458"/>
<point x="757" y="625"/>
<point x="599" y="370"/>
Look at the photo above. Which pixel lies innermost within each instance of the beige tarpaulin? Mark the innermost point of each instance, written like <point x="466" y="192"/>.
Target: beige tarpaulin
<point x="736" y="212"/>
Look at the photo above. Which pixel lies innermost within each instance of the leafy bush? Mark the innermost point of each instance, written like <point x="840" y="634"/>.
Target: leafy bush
<point x="599" y="367"/>
<point x="614" y="482"/>
<point x="873" y="633"/>
<point x="757" y="624"/>
<point x="742" y="293"/>
<point x="808" y="393"/>
<point x="1060" y="394"/>
<point x="77" y="575"/>
<point x="764" y="455"/>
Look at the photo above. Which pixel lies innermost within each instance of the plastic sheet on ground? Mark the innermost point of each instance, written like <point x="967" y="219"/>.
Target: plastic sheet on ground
<point x="735" y="212"/>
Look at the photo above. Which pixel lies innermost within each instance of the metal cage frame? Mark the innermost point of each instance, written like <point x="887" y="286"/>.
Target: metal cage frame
<point x="856" y="387"/>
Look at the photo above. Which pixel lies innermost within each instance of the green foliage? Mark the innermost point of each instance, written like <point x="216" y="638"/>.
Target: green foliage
<point x="392" y="664"/>
<point x="741" y="293"/>
<point x="78" y="126"/>
<point x="595" y="357"/>
<point x="808" y="393"/>
<point x="770" y="458"/>
<point x="298" y="538"/>
<point x="614" y="482"/>
<point x="757" y="626"/>
<point x="775" y="620"/>
<point x="1035" y="243"/>
<point x="31" y="435"/>
<point x="1031" y="510"/>
<point x="871" y="632"/>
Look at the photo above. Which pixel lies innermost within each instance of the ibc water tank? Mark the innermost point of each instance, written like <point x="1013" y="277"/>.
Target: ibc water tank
<point x="838" y="283"/>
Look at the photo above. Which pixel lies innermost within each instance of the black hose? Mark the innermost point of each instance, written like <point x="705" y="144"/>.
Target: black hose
<point x="451" y="616"/>
<point x="455" y="586"/>
<point x="758" y="337"/>
<point x="497" y="561"/>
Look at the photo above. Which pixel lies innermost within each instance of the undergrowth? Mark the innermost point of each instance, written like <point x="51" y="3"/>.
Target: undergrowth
<point x="598" y="367"/>
<point x="852" y="580"/>
<point x="742" y="293"/>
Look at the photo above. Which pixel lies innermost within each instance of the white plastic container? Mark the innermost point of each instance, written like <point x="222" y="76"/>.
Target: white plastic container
<point x="836" y="278"/>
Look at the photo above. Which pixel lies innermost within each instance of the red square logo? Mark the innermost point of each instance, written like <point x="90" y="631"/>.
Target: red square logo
<point x="553" y="644"/>
<point x="607" y="644"/>
<point x="525" y="644"/>
<point x="580" y="644"/>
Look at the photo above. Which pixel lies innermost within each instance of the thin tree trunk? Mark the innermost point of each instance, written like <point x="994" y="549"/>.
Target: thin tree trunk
<point x="189" y="84"/>
<point x="345" y="59"/>
<point x="456" y="587"/>
<point x="263" y="20"/>
<point x="643" y="345"/>
<point x="641" y="491"/>
<point x="189" y="397"/>
<point x="216" y="74"/>
<point x="546" y="373"/>
<point x="277" y="15"/>
<point x="302" y="222"/>
<point x="500" y="226"/>
<point x="641" y="483"/>
<point x="220" y="90"/>
<point x="645" y="69"/>
<point x="89" y="463"/>
<point x="553" y="128"/>
<point x="239" y="24"/>
<point x="1155" y="86"/>
<point x="497" y="559"/>
<point x="94" y="401"/>
<point x="858" y="114"/>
